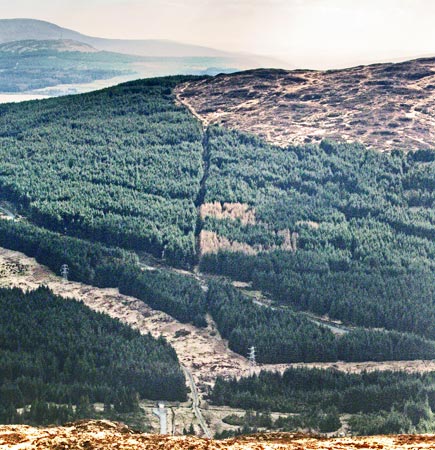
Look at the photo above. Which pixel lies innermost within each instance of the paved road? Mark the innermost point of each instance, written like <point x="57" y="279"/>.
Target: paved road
<point x="336" y="328"/>
<point x="195" y="403"/>
<point x="10" y="214"/>
<point x="333" y="326"/>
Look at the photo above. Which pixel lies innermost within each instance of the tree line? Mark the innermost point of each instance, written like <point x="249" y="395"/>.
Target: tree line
<point x="380" y="402"/>
<point x="286" y="336"/>
<point x="102" y="266"/>
<point x="60" y="352"/>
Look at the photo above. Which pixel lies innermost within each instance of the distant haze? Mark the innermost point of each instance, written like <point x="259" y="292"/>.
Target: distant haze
<point x="305" y="33"/>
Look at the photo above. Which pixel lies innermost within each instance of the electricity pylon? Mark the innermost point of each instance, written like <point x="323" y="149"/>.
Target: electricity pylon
<point x="251" y="356"/>
<point x="64" y="271"/>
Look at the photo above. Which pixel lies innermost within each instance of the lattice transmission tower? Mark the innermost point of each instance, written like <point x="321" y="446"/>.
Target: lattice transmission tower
<point x="251" y="356"/>
<point x="64" y="271"/>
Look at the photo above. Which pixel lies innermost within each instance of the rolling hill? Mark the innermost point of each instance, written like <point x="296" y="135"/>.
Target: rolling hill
<point x="383" y="106"/>
<point x="142" y="187"/>
<point x="32" y="46"/>
<point x="63" y="66"/>
<point x="30" y="29"/>
<point x="31" y="65"/>
<point x="42" y="58"/>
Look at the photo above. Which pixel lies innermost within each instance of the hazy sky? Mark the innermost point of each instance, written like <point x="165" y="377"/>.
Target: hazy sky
<point x="306" y="33"/>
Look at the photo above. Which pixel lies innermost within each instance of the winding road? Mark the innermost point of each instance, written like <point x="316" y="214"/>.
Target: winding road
<point x="8" y="213"/>
<point x="195" y="403"/>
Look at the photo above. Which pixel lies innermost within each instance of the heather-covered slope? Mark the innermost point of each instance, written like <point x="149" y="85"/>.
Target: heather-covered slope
<point x="383" y="106"/>
<point x="101" y="435"/>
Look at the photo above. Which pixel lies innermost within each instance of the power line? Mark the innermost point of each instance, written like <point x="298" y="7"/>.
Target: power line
<point x="64" y="270"/>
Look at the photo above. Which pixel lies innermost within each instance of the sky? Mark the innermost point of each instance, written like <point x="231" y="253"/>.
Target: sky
<point x="303" y="33"/>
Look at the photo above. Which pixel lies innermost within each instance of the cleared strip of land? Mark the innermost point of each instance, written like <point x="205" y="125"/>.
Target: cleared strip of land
<point x="202" y="351"/>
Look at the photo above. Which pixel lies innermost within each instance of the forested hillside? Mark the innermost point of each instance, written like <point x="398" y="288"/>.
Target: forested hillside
<point x="279" y="336"/>
<point x="120" y="166"/>
<point x="361" y="228"/>
<point x="337" y="229"/>
<point x="59" y="351"/>
<point x="380" y="402"/>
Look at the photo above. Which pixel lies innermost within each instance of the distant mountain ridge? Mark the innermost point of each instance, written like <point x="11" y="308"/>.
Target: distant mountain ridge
<point x="25" y="29"/>
<point x="32" y="46"/>
<point x="36" y="54"/>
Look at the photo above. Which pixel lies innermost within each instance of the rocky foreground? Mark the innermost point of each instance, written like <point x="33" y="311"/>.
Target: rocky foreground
<point x="110" y="435"/>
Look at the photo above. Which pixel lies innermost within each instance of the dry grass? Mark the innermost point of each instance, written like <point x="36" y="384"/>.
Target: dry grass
<point x="104" y="434"/>
<point x="382" y="106"/>
<point x="232" y="211"/>
<point x="211" y="242"/>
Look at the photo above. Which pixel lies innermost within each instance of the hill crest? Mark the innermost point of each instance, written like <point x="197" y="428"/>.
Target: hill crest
<point x="383" y="106"/>
<point x="33" y="46"/>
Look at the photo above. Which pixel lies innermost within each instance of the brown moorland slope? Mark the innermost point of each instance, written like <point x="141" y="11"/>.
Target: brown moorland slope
<point x="383" y="106"/>
<point x="104" y="434"/>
